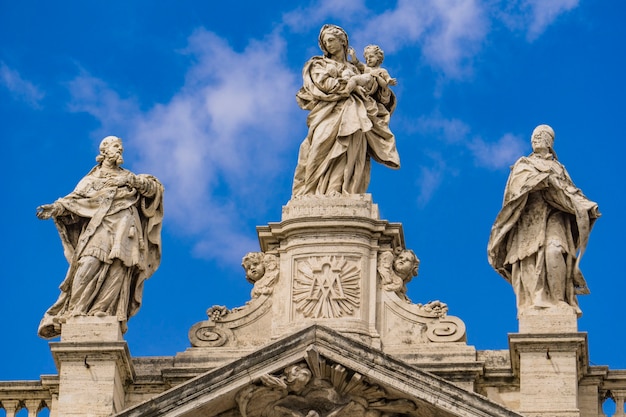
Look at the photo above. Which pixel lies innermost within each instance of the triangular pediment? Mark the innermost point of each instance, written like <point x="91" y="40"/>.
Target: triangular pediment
<point x="317" y="372"/>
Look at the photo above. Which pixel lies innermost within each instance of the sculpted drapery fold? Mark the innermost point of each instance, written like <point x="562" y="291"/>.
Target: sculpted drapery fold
<point x="348" y="125"/>
<point x="542" y="230"/>
<point x="111" y="235"/>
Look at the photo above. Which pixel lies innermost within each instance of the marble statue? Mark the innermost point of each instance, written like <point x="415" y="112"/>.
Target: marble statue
<point x="396" y="269"/>
<point x="374" y="57"/>
<point x="348" y="122"/>
<point x="110" y="227"/>
<point x="262" y="271"/>
<point x="540" y="234"/>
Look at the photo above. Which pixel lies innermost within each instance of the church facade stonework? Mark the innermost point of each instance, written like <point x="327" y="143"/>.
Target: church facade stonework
<point x="329" y="330"/>
<point x="358" y="349"/>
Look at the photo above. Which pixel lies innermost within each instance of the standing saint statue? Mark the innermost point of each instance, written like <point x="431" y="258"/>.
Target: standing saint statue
<point x="348" y="122"/>
<point x="110" y="227"/>
<point x="540" y="234"/>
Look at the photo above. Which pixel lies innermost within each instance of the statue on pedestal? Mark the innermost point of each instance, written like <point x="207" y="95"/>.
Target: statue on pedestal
<point x="540" y="234"/>
<point x="348" y="121"/>
<point x="110" y="227"/>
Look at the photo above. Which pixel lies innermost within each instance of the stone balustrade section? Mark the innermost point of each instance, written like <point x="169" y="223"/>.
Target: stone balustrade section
<point x="30" y="395"/>
<point x="613" y="389"/>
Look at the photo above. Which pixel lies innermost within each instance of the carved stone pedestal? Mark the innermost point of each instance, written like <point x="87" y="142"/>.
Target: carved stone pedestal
<point x="560" y="319"/>
<point x="327" y="248"/>
<point x="94" y="366"/>
<point x="549" y="367"/>
<point x="333" y="262"/>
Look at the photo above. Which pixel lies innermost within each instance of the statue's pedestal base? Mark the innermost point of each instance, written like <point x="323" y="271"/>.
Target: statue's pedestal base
<point x="327" y="248"/>
<point x="90" y="329"/>
<point x="548" y="355"/>
<point x="549" y="367"/>
<point x="94" y="365"/>
<point x="561" y="319"/>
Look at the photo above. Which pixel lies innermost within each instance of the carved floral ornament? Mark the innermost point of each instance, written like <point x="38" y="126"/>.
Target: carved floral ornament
<point x="317" y="388"/>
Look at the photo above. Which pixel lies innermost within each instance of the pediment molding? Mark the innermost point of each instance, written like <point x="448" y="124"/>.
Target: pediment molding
<point x="327" y="354"/>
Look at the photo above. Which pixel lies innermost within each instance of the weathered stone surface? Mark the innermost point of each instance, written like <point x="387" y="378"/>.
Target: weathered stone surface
<point x="326" y="351"/>
<point x="559" y="319"/>
<point x="540" y="234"/>
<point x="549" y="367"/>
<point x="359" y="205"/>
<point x="348" y="121"/>
<point x="94" y="368"/>
<point x="91" y="329"/>
<point x="330" y="261"/>
<point x="110" y="227"/>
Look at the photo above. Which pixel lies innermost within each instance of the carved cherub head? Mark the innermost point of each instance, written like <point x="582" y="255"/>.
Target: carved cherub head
<point x="254" y="266"/>
<point x="297" y="377"/>
<point x="405" y="264"/>
<point x="373" y="55"/>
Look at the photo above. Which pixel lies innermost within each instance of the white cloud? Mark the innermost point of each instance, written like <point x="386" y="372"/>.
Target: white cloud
<point x="429" y="181"/>
<point x="447" y="130"/>
<point x="532" y="16"/>
<point x="450" y="32"/>
<point x="305" y="18"/>
<point x="490" y="155"/>
<point x="500" y="154"/>
<point x="20" y="88"/>
<point x="545" y="12"/>
<point x="92" y="95"/>
<point x="223" y="133"/>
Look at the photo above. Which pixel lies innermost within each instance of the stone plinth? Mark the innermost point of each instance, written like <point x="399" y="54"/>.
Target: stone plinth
<point x="94" y="366"/>
<point x="89" y="329"/>
<point x="561" y="319"/>
<point x="327" y="248"/>
<point x="549" y="367"/>
<point x="331" y="261"/>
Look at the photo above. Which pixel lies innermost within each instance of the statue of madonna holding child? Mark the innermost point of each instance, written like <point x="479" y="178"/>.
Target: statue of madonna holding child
<point x="348" y="122"/>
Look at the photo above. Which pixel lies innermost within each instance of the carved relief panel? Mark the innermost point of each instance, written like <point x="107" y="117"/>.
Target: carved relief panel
<point x="327" y="287"/>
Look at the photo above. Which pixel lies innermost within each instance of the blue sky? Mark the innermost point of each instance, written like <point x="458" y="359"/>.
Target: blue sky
<point x="203" y="95"/>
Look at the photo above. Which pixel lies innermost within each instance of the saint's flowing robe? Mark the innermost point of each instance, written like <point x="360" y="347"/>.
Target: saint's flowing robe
<point x="541" y="207"/>
<point x="112" y="241"/>
<point x="345" y="130"/>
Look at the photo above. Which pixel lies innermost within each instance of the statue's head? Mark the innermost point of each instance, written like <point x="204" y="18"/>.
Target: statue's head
<point x="373" y="55"/>
<point x="297" y="377"/>
<point x="336" y="32"/>
<point x="254" y="265"/>
<point x="542" y="138"/>
<point x="405" y="263"/>
<point x="111" y="147"/>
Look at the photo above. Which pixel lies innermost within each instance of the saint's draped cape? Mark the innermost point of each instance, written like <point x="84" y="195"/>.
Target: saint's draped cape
<point x="86" y="208"/>
<point x="534" y="174"/>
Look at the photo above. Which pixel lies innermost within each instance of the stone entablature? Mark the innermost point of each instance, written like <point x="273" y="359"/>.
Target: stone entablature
<point x="492" y="372"/>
